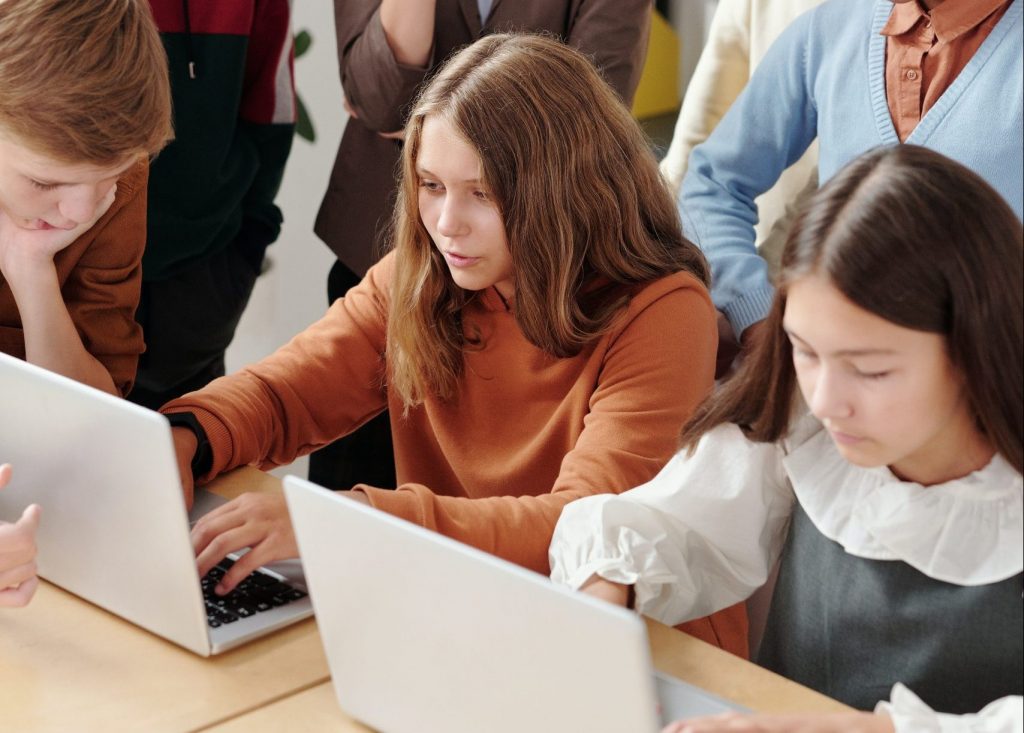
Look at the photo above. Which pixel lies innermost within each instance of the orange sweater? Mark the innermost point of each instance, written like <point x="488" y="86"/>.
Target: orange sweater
<point x="100" y="275"/>
<point x="527" y="434"/>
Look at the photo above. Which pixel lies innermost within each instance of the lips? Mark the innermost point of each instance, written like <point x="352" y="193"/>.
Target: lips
<point x="45" y="226"/>
<point x="844" y="438"/>
<point x="455" y="259"/>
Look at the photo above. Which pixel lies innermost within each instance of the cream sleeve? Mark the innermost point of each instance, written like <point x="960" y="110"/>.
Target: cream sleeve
<point x="721" y="73"/>
<point x="700" y="536"/>
<point x="909" y="715"/>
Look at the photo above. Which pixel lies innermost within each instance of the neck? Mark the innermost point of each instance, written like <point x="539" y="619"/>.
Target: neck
<point x="946" y="463"/>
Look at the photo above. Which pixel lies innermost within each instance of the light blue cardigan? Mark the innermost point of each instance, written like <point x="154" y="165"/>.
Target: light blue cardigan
<point x="825" y="77"/>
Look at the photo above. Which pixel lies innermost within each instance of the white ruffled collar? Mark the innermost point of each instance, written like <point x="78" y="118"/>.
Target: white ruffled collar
<point x="968" y="532"/>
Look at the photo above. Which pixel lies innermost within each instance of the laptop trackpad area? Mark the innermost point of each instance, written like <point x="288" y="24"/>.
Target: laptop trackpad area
<point x="681" y="700"/>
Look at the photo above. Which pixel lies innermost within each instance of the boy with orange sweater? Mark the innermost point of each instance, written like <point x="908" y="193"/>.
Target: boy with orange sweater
<point x="84" y="102"/>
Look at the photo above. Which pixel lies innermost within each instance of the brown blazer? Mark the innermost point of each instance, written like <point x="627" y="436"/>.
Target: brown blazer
<point x="361" y="191"/>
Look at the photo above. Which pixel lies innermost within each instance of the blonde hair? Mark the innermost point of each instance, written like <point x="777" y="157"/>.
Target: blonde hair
<point x="587" y="216"/>
<point x="83" y="81"/>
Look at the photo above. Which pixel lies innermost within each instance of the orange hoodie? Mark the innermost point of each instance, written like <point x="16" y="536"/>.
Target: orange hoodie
<point x="527" y="434"/>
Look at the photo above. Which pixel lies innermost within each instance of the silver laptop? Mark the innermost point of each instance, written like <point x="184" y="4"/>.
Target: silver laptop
<point x="425" y="634"/>
<point x="114" y="529"/>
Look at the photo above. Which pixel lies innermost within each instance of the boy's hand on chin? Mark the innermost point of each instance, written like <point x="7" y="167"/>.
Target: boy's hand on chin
<point x="24" y="249"/>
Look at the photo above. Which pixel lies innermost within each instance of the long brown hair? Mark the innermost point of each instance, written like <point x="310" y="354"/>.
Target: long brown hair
<point x="922" y="242"/>
<point x="586" y="213"/>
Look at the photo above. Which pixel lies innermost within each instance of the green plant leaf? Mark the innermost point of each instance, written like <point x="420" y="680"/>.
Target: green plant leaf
<point x="302" y="43"/>
<point x="303" y="123"/>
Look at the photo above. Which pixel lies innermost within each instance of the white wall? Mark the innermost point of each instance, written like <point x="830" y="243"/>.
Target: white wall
<point x="293" y="293"/>
<point x="691" y="19"/>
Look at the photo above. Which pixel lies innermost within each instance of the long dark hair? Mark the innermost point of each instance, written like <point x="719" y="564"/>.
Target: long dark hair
<point x="586" y="212"/>
<point x="922" y="242"/>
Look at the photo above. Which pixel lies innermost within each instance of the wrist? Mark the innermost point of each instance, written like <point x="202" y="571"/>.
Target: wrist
<point x="25" y="269"/>
<point x="202" y="458"/>
<point x="607" y="590"/>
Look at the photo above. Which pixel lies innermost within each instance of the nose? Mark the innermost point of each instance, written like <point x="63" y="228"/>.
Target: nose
<point x="452" y="221"/>
<point x="79" y="203"/>
<point x="829" y="396"/>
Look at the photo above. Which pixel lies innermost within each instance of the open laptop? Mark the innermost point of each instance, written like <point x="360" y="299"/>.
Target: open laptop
<point x="425" y="634"/>
<point x="114" y="528"/>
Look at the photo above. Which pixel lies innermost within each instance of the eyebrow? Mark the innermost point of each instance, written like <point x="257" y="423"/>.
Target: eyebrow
<point x="424" y="173"/>
<point x="43" y="182"/>
<point x="845" y="352"/>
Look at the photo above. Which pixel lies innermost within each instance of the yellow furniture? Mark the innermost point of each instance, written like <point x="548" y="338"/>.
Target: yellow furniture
<point x="658" y="93"/>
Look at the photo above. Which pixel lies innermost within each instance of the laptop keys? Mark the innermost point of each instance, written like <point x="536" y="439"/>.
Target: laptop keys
<point x="255" y="594"/>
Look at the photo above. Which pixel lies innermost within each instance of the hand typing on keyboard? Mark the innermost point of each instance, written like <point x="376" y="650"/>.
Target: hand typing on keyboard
<point x="256" y="593"/>
<point x="258" y="521"/>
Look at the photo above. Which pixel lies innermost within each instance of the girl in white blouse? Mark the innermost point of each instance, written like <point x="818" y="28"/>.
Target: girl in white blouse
<point x="890" y="496"/>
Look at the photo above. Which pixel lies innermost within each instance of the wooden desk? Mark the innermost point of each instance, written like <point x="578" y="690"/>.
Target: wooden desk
<point x="66" y="665"/>
<point x="674" y="652"/>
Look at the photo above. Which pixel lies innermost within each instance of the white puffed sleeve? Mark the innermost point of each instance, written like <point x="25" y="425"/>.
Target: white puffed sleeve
<point x="700" y="536"/>
<point x="910" y="715"/>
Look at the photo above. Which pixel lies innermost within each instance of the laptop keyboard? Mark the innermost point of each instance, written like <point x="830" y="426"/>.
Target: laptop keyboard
<point x="255" y="594"/>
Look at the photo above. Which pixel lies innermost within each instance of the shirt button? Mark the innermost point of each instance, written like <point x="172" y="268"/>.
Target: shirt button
<point x="911" y="75"/>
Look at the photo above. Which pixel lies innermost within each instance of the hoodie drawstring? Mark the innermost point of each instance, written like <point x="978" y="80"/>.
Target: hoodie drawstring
<point x="188" y="37"/>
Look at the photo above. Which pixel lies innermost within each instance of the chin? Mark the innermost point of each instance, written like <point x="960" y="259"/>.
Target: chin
<point x="860" y="457"/>
<point x="470" y="283"/>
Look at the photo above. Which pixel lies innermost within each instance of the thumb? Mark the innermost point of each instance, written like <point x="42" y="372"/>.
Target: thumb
<point x="30" y="518"/>
<point x="5" y="474"/>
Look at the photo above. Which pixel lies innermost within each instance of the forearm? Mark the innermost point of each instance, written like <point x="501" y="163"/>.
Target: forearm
<point x="770" y="126"/>
<point x="514" y="528"/>
<point x="51" y="339"/>
<point x="409" y="28"/>
<point x="256" y="418"/>
<point x="322" y="384"/>
<point x="377" y="85"/>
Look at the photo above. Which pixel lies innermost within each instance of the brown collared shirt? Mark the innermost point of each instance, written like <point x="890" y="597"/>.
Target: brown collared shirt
<point x="925" y="50"/>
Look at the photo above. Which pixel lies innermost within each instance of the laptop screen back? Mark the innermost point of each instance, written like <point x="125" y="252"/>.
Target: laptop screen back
<point x="113" y="527"/>
<point x="425" y="634"/>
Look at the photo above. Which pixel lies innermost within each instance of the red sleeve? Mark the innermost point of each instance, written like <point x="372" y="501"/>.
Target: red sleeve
<point x="268" y="95"/>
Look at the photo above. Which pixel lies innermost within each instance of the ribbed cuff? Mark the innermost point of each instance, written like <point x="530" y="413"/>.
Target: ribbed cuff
<point x="749" y="309"/>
